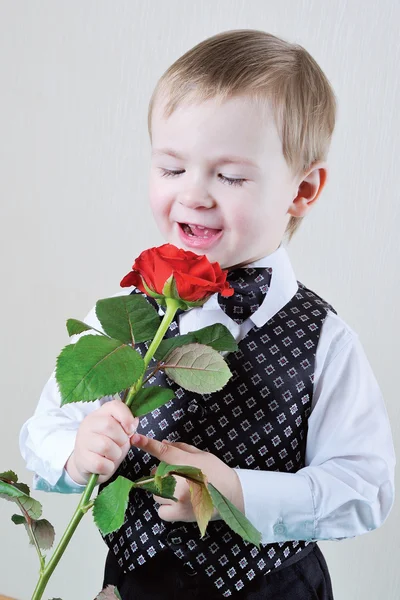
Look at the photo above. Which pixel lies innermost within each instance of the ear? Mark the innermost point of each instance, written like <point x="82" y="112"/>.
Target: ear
<point x="308" y="189"/>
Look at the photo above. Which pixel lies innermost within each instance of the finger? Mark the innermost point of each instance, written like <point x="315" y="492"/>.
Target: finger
<point x="165" y="452"/>
<point x="183" y="446"/>
<point x="167" y="512"/>
<point x="94" y="463"/>
<point x="104" y="446"/>
<point x="163" y="501"/>
<point x="121" y="413"/>
<point x="107" y="425"/>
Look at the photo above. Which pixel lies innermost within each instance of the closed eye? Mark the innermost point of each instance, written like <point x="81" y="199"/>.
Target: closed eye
<point x="227" y="180"/>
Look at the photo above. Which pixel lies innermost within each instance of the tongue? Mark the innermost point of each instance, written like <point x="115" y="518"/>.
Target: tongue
<point x="203" y="232"/>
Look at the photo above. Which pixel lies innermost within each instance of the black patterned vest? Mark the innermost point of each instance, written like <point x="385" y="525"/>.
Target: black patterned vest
<point x="257" y="421"/>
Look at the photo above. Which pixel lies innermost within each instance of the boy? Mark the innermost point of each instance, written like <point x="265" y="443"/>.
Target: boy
<point x="299" y="438"/>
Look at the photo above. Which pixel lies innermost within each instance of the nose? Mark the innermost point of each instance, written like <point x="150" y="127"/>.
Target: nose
<point x="196" y="196"/>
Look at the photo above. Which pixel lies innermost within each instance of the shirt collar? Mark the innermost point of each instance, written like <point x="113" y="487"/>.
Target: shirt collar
<point x="283" y="286"/>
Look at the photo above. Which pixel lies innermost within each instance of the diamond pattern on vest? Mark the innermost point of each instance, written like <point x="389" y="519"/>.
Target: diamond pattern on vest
<point x="257" y="421"/>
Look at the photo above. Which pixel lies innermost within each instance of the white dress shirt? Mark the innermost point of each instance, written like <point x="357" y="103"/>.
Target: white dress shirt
<point x="347" y="485"/>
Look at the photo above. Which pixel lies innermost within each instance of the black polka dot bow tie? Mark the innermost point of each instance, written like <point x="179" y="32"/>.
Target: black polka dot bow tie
<point x="251" y="285"/>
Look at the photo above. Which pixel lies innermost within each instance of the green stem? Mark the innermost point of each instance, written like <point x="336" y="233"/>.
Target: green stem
<point x="81" y="509"/>
<point x="172" y="306"/>
<point x="85" y="503"/>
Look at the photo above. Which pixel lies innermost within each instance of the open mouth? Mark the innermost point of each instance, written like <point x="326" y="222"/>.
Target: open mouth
<point x="198" y="231"/>
<point x="199" y="236"/>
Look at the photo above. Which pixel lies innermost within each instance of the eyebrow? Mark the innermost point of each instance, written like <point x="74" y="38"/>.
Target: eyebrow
<point x="220" y="160"/>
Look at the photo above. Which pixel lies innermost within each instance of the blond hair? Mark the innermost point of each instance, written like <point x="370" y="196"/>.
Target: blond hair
<point x="264" y="67"/>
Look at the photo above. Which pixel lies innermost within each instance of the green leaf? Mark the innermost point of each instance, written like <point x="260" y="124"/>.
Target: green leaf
<point x="197" y="368"/>
<point x="18" y="519"/>
<point x="234" y="517"/>
<point x="164" y="470"/>
<point x="166" y="490"/>
<point x="131" y="318"/>
<point x="74" y="327"/>
<point x="168" y="344"/>
<point x="23" y="487"/>
<point x="199" y="493"/>
<point x="110" y="505"/>
<point x="42" y="528"/>
<point x="94" y="367"/>
<point x="150" y="398"/>
<point x="10" y="475"/>
<point x="187" y="471"/>
<point x="216" y="336"/>
<point x="9" y="491"/>
<point x="44" y="533"/>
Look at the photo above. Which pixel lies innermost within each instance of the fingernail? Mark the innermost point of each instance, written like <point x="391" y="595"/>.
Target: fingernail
<point x="135" y="438"/>
<point x="133" y="427"/>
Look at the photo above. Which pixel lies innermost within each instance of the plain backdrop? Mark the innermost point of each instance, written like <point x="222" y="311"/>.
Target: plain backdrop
<point x="76" y="78"/>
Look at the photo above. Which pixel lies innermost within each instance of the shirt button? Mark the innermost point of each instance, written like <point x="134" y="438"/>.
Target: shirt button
<point x="189" y="570"/>
<point x="173" y="538"/>
<point x="195" y="407"/>
<point x="279" y="529"/>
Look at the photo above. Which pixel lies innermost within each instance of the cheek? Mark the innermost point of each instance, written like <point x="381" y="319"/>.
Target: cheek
<point x="159" y="200"/>
<point x="243" y="218"/>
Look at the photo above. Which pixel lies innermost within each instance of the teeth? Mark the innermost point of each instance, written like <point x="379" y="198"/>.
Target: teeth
<point x="186" y="228"/>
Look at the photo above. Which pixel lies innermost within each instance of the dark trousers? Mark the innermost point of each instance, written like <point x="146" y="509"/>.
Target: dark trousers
<point x="165" y="578"/>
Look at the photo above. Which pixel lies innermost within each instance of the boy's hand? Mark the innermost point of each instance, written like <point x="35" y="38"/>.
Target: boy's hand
<point x="217" y="472"/>
<point x="102" y="442"/>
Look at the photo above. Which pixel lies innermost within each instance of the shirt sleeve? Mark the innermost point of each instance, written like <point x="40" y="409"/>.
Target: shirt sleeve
<point x="47" y="439"/>
<point x="65" y="485"/>
<point x="347" y="486"/>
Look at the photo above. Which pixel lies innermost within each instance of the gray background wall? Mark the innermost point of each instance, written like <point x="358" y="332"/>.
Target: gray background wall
<point x="75" y="81"/>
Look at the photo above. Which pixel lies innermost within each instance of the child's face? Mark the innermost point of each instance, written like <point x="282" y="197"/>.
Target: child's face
<point x="251" y="216"/>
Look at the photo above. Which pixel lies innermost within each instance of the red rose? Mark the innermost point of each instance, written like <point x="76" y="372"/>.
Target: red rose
<point x="193" y="277"/>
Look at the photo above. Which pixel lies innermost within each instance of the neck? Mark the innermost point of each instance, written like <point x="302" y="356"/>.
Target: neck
<point x="251" y="260"/>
